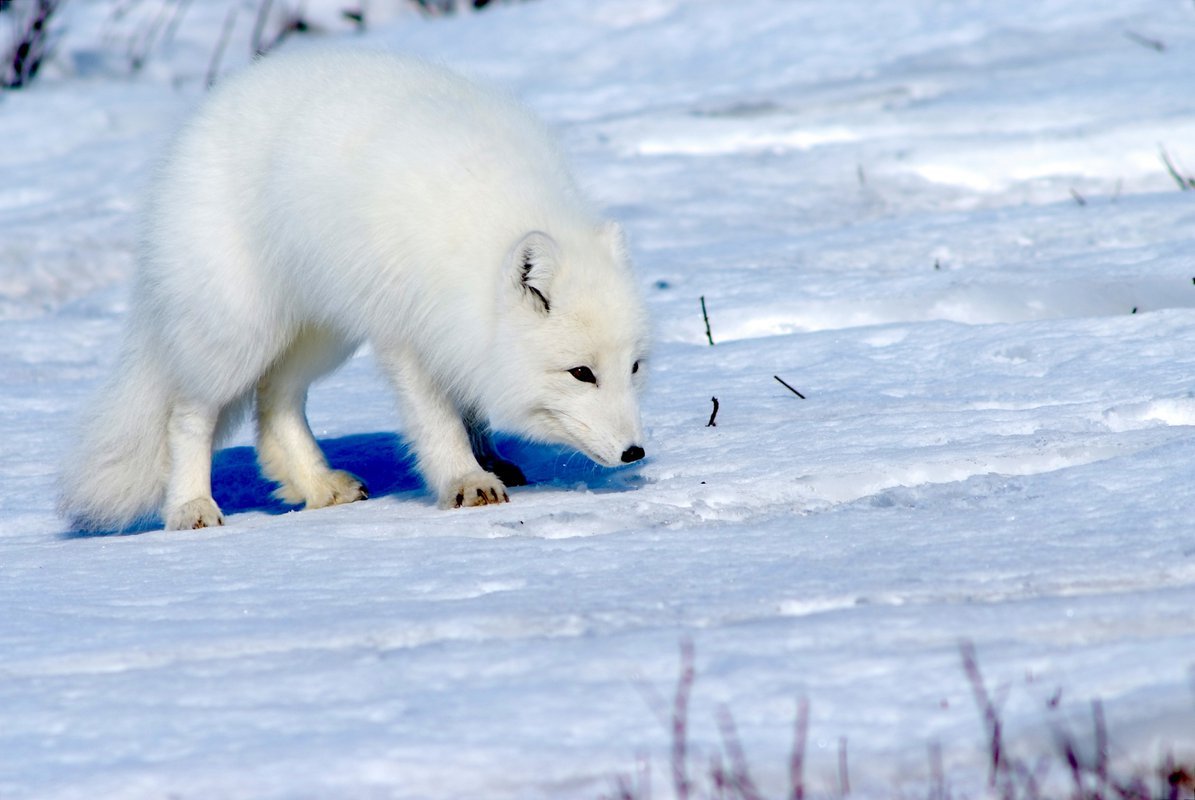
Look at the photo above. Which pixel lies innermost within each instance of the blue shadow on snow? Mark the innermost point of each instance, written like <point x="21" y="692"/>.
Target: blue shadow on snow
<point x="385" y="463"/>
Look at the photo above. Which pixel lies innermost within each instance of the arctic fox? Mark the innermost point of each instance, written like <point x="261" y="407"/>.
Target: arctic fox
<point x="321" y="200"/>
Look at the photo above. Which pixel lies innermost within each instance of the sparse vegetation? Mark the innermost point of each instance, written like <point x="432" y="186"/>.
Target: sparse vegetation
<point x="1185" y="182"/>
<point x="153" y="25"/>
<point x="30" y="41"/>
<point x="441" y="7"/>
<point x="1087" y="771"/>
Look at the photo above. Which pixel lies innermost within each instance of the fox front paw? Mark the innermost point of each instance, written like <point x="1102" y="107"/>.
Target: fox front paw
<point x="475" y="489"/>
<point x="335" y="488"/>
<point x="202" y="512"/>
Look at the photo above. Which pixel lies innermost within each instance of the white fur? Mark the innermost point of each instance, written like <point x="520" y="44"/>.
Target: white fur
<point x="321" y="200"/>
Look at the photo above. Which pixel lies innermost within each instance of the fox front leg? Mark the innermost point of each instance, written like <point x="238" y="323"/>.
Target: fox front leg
<point x="488" y="456"/>
<point x="442" y="450"/>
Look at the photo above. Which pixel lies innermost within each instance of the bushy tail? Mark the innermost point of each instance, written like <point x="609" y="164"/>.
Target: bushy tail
<point x="117" y="474"/>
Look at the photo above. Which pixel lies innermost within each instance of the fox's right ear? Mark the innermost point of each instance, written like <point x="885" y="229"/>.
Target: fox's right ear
<point x="534" y="262"/>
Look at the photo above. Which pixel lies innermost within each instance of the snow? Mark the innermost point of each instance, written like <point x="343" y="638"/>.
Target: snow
<point x="875" y="200"/>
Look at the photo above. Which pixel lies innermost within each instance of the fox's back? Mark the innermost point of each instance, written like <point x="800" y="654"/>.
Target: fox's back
<point x="320" y="165"/>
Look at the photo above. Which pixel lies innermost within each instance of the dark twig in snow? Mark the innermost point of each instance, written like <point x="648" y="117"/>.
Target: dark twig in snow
<point x="1185" y="183"/>
<point x="1072" y="762"/>
<point x="1153" y="44"/>
<point x="786" y="386"/>
<point x="711" y="423"/>
<point x="991" y="715"/>
<point x="796" y="764"/>
<point x="30" y="47"/>
<point x="706" y="317"/>
<point x="1080" y="199"/>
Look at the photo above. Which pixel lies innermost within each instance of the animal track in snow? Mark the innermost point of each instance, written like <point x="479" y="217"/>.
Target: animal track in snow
<point x="1036" y="456"/>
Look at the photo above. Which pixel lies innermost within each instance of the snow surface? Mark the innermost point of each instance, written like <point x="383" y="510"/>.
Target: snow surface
<point x="875" y="199"/>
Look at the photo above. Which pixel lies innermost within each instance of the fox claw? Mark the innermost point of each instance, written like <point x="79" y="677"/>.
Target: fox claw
<point x="476" y="489"/>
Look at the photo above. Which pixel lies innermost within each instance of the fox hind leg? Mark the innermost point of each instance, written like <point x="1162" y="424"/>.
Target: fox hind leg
<point x="286" y="449"/>
<point x="189" y="502"/>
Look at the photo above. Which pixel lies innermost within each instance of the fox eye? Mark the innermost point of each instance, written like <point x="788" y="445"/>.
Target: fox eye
<point x="583" y="374"/>
<point x="634" y="367"/>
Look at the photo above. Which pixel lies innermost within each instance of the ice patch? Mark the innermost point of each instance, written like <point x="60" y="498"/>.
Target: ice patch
<point x="1171" y="411"/>
<point x="886" y="337"/>
<point x="722" y="140"/>
<point x="805" y="608"/>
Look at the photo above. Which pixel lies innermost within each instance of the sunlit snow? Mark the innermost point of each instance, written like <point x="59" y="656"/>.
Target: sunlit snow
<point x="948" y="225"/>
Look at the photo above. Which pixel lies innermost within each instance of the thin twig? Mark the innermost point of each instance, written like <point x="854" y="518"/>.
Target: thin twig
<point x="680" y="722"/>
<point x="740" y="776"/>
<point x="991" y="716"/>
<point x="711" y="423"/>
<point x="139" y="50"/>
<point x="1072" y="762"/>
<point x="121" y="9"/>
<point x="706" y="317"/>
<point x="653" y="700"/>
<point x="259" y="28"/>
<point x="1080" y="199"/>
<point x="844" y="775"/>
<point x="180" y="8"/>
<point x="29" y="47"/>
<point x="937" y="773"/>
<point x="718" y="777"/>
<point x="796" y="766"/>
<point x="214" y="68"/>
<point x="786" y="386"/>
<point x="1184" y="183"/>
<point x="1101" y="746"/>
<point x="1153" y="44"/>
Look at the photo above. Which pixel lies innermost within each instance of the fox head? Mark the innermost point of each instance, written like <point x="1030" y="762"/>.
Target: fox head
<point x="574" y="335"/>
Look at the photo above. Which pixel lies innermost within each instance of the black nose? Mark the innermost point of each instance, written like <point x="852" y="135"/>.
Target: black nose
<point x="632" y="453"/>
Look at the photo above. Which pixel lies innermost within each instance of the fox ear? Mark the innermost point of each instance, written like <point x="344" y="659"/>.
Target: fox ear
<point x="536" y="258"/>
